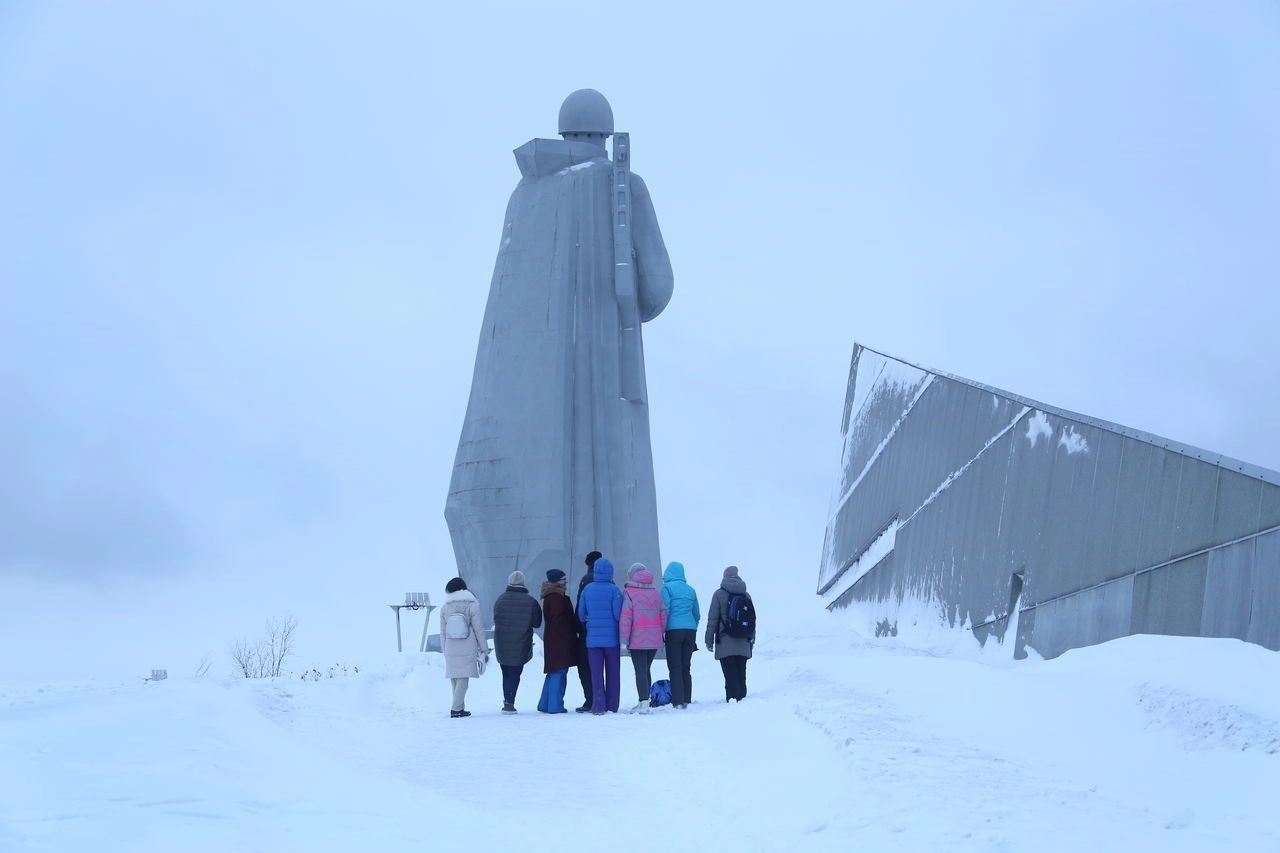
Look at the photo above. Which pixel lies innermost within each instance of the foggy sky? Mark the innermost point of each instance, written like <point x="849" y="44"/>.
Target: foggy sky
<point x="244" y="254"/>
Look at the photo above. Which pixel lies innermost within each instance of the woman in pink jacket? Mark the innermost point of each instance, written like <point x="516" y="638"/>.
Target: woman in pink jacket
<point x="643" y="622"/>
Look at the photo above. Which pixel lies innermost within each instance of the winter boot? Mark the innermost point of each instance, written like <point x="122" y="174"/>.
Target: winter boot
<point x="508" y="708"/>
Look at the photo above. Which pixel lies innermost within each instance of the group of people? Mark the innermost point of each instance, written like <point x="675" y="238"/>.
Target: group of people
<point x="592" y="633"/>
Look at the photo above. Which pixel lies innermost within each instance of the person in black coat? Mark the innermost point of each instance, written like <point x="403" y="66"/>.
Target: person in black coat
<point x="584" y="671"/>
<point x="515" y="616"/>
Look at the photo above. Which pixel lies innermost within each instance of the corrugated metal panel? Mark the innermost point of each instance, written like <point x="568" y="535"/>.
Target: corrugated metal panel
<point x="1024" y="504"/>
<point x="1161" y="500"/>
<point x="1115" y="610"/>
<point x="1264" y="620"/>
<point x="1269" y="512"/>
<point x="1197" y="496"/>
<point x="1170" y="600"/>
<point x="1228" y="591"/>
<point x="1237" y="506"/>
<point x="1105" y="455"/>
<point x="1092" y="616"/>
<point x="1060" y="566"/>
<point x="1130" y="508"/>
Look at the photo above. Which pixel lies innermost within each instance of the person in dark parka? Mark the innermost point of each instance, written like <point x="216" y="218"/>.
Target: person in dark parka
<point x="584" y="666"/>
<point x="515" y="616"/>
<point x="559" y="642"/>
<point x="732" y="652"/>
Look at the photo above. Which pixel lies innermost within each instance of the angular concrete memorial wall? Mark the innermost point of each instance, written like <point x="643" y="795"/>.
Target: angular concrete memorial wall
<point x="986" y="505"/>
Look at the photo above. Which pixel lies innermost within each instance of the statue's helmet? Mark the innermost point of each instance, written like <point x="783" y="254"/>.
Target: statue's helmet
<point x="586" y="111"/>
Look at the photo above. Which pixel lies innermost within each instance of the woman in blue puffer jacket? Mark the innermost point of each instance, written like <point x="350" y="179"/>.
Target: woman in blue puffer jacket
<point x="601" y="609"/>
<point x="682" y="632"/>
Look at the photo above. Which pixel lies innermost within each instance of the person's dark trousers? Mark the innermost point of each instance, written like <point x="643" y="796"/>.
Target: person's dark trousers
<point x="584" y="671"/>
<point x="735" y="676"/>
<point x="510" y="682"/>
<point x="605" y="690"/>
<point x="642" y="660"/>
<point x="680" y="645"/>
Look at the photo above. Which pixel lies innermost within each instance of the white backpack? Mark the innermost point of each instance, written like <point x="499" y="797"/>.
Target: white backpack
<point x="456" y="627"/>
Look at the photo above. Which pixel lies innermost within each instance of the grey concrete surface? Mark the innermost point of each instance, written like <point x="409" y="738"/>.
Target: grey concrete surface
<point x="949" y="488"/>
<point x="553" y="462"/>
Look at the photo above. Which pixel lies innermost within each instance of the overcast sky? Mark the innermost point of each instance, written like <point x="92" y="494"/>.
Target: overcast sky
<point x="245" y="250"/>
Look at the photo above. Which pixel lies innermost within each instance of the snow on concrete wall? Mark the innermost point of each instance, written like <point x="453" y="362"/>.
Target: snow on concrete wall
<point x="982" y="501"/>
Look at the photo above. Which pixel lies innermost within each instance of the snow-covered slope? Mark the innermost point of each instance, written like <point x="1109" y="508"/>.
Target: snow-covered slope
<point x="1145" y="743"/>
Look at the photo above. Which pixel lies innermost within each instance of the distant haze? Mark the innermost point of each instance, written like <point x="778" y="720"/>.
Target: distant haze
<point x="245" y="250"/>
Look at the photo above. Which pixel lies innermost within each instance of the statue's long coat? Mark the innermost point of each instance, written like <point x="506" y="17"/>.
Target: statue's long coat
<point x="552" y="462"/>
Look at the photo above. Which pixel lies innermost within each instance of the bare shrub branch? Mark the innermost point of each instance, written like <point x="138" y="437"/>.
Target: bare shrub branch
<point x="265" y="658"/>
<point x="278" y="644"/>
<point x="245" y="656"/>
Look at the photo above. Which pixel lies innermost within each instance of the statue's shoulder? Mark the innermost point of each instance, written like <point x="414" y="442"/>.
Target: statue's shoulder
<point x="539" y="158"/>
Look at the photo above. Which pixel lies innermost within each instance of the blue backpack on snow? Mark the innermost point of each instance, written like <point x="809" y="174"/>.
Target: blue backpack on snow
<point x="660" y="693"/>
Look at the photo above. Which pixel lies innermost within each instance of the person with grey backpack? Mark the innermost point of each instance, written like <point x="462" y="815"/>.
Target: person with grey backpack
<point x="463" y="641"/>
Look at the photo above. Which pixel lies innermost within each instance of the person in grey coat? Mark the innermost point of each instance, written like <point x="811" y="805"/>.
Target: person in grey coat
<point x="732" y="652"/>
<point x="463" y="651"/>
<point x="516" y="614"/>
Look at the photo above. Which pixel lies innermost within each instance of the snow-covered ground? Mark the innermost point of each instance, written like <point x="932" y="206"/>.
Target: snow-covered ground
<point x="1145" y="743"/>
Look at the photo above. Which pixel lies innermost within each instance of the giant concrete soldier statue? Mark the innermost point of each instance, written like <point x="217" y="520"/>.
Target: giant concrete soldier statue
<point x="554" y="459"/>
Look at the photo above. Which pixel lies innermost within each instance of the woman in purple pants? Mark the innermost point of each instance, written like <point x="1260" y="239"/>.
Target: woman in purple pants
<point x="601" y="608"/>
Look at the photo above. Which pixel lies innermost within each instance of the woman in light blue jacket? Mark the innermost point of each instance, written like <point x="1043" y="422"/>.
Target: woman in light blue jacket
<point x="682" y="632"/>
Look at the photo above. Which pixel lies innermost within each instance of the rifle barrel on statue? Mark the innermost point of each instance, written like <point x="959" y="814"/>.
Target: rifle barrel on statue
<point x="624" y="273"/>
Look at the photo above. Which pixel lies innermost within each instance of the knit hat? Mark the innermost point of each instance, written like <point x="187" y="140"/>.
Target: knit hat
<point x="731" y="572"/>
<point x="591" y="559"/>
<point x="555" y="575"/>
<point x="635" y="568"/>
<point x="516" y="578"/>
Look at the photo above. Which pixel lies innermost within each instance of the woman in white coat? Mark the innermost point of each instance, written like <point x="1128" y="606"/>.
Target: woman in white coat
<point x="463" y="640"/>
